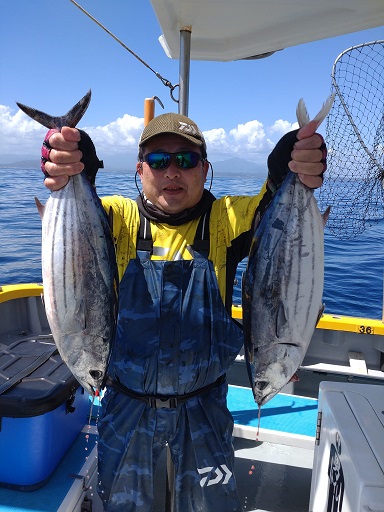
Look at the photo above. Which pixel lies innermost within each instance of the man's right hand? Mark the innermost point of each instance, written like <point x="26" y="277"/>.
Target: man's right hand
<point x="61" y="157"/>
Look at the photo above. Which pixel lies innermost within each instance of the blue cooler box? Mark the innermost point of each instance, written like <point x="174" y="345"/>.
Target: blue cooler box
<point x="42" y="411"/>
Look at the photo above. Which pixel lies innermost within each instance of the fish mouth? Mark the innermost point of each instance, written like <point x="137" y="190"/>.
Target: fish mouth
<point x="262" y="398"/>
<point x="263" y="391"/>
<point x="95" y="382"/>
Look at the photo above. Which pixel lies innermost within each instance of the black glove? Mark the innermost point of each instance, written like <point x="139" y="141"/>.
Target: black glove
<point x="280" y="157"/>
<point x="91" y="163"/>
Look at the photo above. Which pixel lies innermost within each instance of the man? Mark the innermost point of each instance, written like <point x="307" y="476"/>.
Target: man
<point x="177" y="253"/>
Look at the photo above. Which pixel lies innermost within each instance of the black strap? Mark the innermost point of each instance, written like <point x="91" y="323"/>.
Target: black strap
<point x="144" y="236"/>
<point x="162" y="401"/>
<point x="200" y="244"/>
<point x="43" y="358"/>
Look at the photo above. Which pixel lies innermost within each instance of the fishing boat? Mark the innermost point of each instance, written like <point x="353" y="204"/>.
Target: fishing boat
<point x="319" y="445"/>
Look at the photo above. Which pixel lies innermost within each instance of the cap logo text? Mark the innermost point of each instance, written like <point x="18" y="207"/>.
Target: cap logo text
<point x="188" y="128"/>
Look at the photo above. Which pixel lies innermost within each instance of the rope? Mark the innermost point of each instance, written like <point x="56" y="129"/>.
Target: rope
<point x="165" y="82"/>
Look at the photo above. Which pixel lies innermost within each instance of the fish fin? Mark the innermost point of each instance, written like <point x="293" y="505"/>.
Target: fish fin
<point x="40" y="208"/>
<point x="321" y="311"/>
<point x="281" y="320"/>
<point x="303" y="116"/>
<point x="110" y="219"/>
<point x="325" y="215"/>
<point x="71" y="118"/>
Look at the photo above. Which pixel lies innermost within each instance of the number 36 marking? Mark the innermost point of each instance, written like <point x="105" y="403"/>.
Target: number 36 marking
<point x="366" y="329"/>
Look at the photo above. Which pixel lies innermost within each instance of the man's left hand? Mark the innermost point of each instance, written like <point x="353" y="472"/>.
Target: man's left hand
<point x="309" y="156"/>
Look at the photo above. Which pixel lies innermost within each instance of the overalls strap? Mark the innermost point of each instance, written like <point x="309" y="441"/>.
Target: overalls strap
<point x="200" y="244"/>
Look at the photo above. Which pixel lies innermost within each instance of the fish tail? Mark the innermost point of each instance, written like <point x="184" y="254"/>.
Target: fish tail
<point x="71" y="118"/>
<point x="302" y="113"/>
<point x="325" y="109"/>
<point x="41" y="117"/>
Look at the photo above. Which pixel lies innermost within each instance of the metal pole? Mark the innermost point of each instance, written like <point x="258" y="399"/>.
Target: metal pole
<point x="184" y="66"/>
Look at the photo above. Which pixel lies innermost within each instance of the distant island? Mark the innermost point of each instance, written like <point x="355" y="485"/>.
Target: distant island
<point x="22" y="164"/>
<point x="237" y="165"/>
<point x="234" y="166"/>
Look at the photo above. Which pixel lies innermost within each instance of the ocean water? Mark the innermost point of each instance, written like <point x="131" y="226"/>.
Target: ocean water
<point x="353" y="268"/>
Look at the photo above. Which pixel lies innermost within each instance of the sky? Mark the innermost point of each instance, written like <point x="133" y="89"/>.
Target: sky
<point x="51" y="54"/>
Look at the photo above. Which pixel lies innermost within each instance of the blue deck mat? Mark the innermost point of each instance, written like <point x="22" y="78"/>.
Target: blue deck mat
<point x="49" y="497"/>
<point x="284" y="413"/>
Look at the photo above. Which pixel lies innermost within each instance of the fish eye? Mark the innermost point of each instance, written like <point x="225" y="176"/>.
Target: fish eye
<point x="96" y="374"/>
<point x="261" y="384"/>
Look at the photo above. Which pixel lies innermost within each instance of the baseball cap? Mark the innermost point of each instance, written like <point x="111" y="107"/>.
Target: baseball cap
<point x="177" y="124"/>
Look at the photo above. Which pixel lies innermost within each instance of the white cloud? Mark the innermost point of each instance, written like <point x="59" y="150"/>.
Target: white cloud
<point x="22" y="136"/>
<point x="217" y="140"/>
<point x="121" y="135"/>
<point x="18" y="133"/>
<point x="280" y="127"/>
<point x="247" y="140"/>
<point x="251" y="136"/>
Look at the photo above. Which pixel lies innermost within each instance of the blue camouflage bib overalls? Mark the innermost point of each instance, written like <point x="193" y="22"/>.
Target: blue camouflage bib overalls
<point x="174" y="337"/>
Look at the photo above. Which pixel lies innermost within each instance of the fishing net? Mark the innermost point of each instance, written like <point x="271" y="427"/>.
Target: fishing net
<point x="354" y="181"/>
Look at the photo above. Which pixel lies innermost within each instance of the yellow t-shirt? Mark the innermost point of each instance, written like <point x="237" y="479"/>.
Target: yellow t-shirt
<point x="231" y="216"/>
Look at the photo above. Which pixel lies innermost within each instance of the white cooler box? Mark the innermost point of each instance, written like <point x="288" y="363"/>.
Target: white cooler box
<point x="348" y="467"/>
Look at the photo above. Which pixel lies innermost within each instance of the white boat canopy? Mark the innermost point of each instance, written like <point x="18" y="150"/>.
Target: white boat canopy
<point x="226" y="30"/>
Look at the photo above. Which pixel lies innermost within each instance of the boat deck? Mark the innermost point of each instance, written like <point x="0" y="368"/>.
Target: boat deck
<point x="271" y="477"/>
<point x="273" y="474"/>
<point x="285" y="419"/>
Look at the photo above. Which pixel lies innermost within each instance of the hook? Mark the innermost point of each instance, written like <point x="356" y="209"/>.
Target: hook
<point x="159" y="101"/>
<point x="172" y="88"/>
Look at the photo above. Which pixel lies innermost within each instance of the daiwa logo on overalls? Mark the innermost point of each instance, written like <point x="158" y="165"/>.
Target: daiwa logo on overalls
<point x="188" y="128"/>
<point x="218" y="476"/>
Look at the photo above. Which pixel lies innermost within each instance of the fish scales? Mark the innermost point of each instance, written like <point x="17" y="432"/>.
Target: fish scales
<point x="281" y="302"/>
<point x="79" y="279"/>
<point x="283" y="283"/>
<point x="79" y="268"/>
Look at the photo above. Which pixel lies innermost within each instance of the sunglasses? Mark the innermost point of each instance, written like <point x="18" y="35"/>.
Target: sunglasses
<point x="161" y="160"/>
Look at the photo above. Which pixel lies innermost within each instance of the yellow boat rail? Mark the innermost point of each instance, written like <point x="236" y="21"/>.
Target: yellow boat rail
<point x="327" y="321"/>
<point x="337" y="323"/>
<point x="20" y="291"/>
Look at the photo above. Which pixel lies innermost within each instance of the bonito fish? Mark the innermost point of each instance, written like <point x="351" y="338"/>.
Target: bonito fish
<point x="283" y="283"/>
<point x="79" y="268"/>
